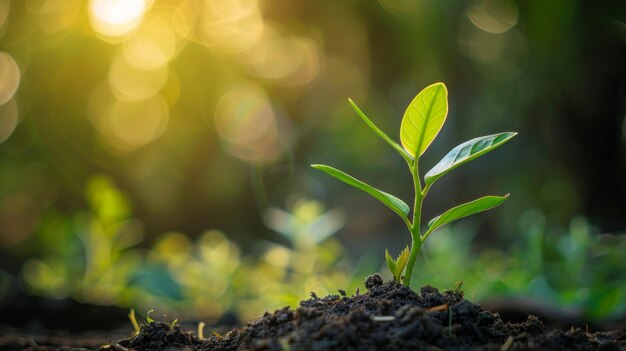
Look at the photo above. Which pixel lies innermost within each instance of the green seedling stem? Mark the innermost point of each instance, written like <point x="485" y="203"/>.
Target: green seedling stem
<point x="133" y="320"/>
<point x="416" y="237"/>
<point x="422" y="121"/>
<point x="201" y="330"/>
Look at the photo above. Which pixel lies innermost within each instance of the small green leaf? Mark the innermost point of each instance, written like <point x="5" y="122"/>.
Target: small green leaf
<point x="395" y="204"/>
<point x="466" y="152"/>
<point x="380" y="133"/>
<point x="173" y="324"/>
<point x="424" y="118"/>
<point x="402" y="260"/>
<point x="391" y="264"/>
<point x="467" y="209"/>
<point x="148" y="319"/>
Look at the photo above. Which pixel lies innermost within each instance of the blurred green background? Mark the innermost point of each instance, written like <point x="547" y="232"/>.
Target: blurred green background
<point x="155" y="154"/>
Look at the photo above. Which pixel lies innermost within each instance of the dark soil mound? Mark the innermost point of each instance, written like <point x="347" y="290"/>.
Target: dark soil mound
<point x="388" y="317"/>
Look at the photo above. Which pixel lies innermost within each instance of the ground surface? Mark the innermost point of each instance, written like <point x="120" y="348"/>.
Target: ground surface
<point x="386" y="317"/>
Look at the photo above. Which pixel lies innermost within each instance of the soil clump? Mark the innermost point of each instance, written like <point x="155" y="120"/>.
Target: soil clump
<point x="389" y="316"/>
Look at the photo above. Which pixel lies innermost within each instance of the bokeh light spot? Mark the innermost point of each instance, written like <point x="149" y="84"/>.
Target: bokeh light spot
<point x="493" y="16"/>
<point x="131" y="83"/>
<point x="289" y="61"/>
<point x="127" y="125"/>
<point x="407" y="8"/>
<point x="245" y="120"/>
<point x="277" y="256"/>
<point x="243" y="114"/>
<point x="137" y="123"/>
<point x="482" y="46"/>
<point x="151" y="46"/>
<point x="498" y="57"/>
<point x="173" y="246"/>
<point x="114" y="18"/>
<point x="230" y="26"/>
<point x="9" y="77"/>
<point x="8" y="119"/>
<point x="230" y="9"/>
<point x="55" y="15"/>
<point x="184" y="19"/>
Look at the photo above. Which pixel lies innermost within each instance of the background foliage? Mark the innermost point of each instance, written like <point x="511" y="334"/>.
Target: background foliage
<point x="157" y="152"/>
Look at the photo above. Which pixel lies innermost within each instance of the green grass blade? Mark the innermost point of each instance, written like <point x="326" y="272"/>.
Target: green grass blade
<point x="464" y="210"/>
<point x="408" y="157"/>
<point x="424" y="118"/>
<point x="395" y="204"/>
<point x="466" y="152"/>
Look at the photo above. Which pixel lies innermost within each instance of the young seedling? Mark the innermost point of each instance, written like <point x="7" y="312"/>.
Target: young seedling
<point x="148" y="318"/>
<point x="397" y="266"/>
<point x="421" y="123"/>
<point x="133" y="320"/>
<point x="201" y="330"/>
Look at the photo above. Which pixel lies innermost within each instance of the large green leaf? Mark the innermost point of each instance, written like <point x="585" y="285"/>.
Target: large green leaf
<point x="397" y="205"/>
<point x="466" y="152"/>
<point x="424" y="118"/>
<point x="380" y="133"/>
<point x="464" y="210"/>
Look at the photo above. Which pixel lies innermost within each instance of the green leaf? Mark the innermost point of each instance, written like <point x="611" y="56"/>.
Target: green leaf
<point x="467" y="209"/>
<point x="380" y="133"/>
<point x="424" y="118"/>
<point x="391" y="264"/>
<point x="402" y="260"/>
<point x="398" y="206"/>
<point x="466" y="152"/>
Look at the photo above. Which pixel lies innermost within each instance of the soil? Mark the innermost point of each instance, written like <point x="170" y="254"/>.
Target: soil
<point x="388" y="316"/>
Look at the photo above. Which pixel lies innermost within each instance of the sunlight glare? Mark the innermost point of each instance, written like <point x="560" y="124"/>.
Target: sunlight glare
<point x="115" y="18"/>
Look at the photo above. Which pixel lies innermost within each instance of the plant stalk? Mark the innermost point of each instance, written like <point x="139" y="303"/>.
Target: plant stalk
<point x="416" y="238"/>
